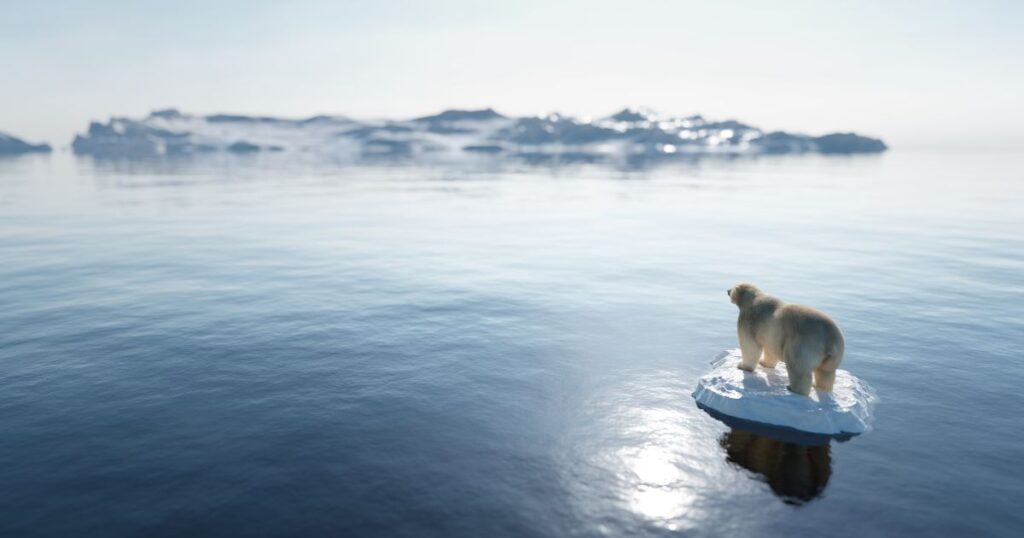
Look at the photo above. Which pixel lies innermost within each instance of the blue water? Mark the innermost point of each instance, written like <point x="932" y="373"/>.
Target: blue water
<point x="249" y="346"/>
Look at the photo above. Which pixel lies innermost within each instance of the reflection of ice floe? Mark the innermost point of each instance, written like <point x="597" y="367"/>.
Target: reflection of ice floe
<point x="762" y="397"/>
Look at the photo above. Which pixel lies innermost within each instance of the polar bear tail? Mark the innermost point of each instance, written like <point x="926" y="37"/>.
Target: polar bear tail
<point x="834" y="353"/>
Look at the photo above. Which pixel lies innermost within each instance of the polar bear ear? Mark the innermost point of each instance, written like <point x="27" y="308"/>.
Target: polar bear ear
<point x="736" y="294"/>
<point x="742" y="293"/>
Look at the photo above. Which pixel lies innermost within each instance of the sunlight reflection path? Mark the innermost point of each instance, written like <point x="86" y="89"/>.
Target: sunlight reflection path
<point x="646" y="454"/>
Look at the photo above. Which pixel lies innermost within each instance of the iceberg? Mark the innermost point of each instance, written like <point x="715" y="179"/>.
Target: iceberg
<point x="10" y="145"/>
<point x="455" y="134"/>
<point x="761" y="397"/>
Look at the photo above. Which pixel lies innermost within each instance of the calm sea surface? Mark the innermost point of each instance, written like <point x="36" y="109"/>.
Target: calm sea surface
<point x="268" y="347"/>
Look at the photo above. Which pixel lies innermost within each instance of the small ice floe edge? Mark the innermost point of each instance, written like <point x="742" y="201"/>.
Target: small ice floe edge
<point x="760" y="398"/>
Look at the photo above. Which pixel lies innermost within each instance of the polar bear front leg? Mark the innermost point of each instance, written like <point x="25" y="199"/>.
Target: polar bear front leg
<point x="751" y="351"/>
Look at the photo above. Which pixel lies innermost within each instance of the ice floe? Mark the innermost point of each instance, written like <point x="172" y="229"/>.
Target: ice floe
<point x="762" y="397"/>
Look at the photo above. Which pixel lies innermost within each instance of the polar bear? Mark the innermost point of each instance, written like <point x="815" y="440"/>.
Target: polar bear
<point x="807" y="340"/>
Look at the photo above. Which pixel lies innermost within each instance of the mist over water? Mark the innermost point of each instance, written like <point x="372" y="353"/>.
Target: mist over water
<point x="254" y="345"/>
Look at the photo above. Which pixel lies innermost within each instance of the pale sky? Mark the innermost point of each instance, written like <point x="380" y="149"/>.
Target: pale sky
<point x="928" y="73"/>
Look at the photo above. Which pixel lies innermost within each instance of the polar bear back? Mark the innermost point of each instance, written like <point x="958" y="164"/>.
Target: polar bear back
<point x="794" y="332"/>
<point x="810" y="327"/>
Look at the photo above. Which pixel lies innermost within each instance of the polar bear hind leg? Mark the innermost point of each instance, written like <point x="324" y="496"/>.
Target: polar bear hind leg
<point x="825" y="373"/>
<point x="799" y="382"/>
<point x="799" y="374"/>
<point x="824" y="378"/>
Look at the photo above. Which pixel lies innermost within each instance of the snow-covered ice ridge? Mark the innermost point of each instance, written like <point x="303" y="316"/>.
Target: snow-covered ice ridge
<point x="454" y="134"/>
<point x="761" y="397"/>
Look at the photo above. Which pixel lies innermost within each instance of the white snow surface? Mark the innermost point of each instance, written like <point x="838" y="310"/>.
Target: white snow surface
<point x="761" y="396"/>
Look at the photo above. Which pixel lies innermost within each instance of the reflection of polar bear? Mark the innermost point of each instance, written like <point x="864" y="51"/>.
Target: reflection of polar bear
<point x="796" y="473"/>
<point x="807" y="340"/>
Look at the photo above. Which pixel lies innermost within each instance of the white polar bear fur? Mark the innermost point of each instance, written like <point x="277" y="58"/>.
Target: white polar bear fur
<point x="805" y="339"/>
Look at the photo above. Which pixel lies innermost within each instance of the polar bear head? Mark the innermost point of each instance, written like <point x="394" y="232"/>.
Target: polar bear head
<point x="742" y="294"/>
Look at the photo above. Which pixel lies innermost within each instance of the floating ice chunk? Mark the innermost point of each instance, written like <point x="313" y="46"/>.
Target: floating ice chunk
<point x="762" y="397"/>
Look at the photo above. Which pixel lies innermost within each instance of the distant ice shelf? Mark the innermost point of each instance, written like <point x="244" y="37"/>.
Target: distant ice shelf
<point x="454" y="134"/>
<point x="10" y="145"/>
<point x="762" y="397"/>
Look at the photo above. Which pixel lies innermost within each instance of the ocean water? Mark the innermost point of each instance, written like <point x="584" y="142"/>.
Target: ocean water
<point x="267" y="346"/>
